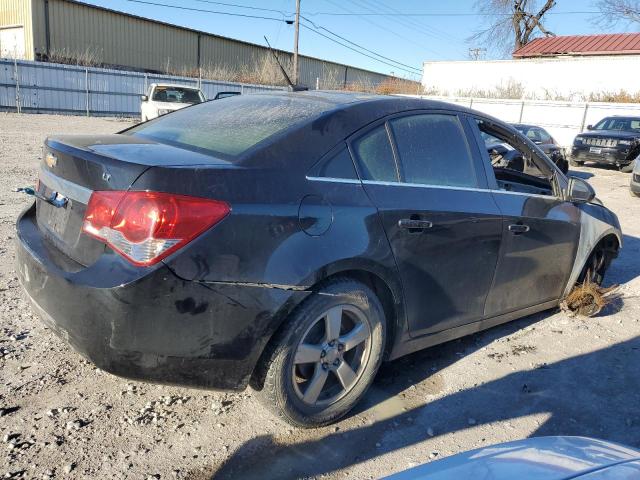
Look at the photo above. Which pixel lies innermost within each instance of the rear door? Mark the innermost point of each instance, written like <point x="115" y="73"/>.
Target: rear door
<point x="442" y="223"/>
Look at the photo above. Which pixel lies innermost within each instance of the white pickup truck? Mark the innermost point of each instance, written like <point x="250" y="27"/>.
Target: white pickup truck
<point x="162" y="98"/>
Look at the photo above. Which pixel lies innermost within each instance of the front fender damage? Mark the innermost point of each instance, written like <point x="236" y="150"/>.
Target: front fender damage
<point x="596" y="223"/>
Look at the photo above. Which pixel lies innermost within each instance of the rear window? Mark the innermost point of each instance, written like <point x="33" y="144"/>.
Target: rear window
<point x="176" y="95"/>
<point x="231" y="127"/>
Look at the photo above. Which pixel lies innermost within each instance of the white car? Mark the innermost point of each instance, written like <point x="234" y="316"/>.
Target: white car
<point x="162" y="98"/>
<point x="539" y="458"/>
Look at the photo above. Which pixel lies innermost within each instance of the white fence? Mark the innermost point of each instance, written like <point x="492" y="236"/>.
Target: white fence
<point x="39" y="87"/>
<point x="575" y="79"/>
<point x="563" y="120"/>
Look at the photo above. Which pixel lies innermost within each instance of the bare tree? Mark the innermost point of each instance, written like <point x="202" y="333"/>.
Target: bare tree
<point x="511" y="24"/>
<point x="613" y="12"/>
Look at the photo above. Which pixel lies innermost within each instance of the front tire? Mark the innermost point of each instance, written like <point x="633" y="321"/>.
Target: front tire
<point x="325" y="359"/>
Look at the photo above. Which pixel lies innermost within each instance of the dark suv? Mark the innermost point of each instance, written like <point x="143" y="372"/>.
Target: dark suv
<point x="612" y="141"/>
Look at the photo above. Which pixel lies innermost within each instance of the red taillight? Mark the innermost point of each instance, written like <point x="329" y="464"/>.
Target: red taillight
<point x="145" y="227"/>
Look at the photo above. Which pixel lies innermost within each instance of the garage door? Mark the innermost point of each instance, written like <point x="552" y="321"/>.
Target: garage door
<point x="12" y="42"/>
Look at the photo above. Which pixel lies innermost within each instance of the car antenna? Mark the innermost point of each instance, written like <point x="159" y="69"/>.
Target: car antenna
<point x="292" y="87"/>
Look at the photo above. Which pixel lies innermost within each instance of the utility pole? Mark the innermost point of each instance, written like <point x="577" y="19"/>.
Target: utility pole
<point x="295" y="44"/>
<point x="477" y="53"/>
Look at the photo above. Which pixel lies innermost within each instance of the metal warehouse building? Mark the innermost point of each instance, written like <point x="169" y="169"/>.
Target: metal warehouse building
<point x="46" y="29"/>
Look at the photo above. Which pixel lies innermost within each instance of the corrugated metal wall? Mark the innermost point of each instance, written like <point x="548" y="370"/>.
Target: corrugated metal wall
<point x="18" y="13"/>
<point x="113" y="38"/>
<point x="41" y="87"/>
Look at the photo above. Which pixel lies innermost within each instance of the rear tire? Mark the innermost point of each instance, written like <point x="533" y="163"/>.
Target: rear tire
<point x="324" y="360"/>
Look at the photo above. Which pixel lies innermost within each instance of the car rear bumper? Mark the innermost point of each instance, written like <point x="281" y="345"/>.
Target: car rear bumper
<point x="608" y="156"/>
<point x="147" y="323"/>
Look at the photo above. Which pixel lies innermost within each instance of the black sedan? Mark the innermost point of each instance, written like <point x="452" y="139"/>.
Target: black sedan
<point x="294" y="241"/>
<point x="612" y="141"/>
<point x="546" y="142"/>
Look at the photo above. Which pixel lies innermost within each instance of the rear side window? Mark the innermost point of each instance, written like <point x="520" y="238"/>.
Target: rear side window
<point x="231" y="127"/>
<point x="338" y="166"/>
<point x="375" y="156"/>
<point x="433" y="150"/>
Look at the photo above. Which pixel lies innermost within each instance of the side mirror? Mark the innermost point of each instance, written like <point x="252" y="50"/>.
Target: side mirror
<point x="580" y="191"/>
<point x="589" y="127"/>
<point x="144" y="98"/>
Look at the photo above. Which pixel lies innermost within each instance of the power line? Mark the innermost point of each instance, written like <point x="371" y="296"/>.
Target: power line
<point x="248" y="7"/>
<point x="414" y="70"/>
<point x="202" y="10"/>
<point x="413" y="24"/>
<point x="437" y="14"/>
<point x="385" y="29"/>
<point x="320" y="27"/>
<point x="351" y="48"/>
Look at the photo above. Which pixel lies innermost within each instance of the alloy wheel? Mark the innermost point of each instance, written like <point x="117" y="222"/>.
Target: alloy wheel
<point x="331" y="355"/>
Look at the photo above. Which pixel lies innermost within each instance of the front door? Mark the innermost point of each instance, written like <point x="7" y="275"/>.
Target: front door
<point x="540" y="230"/>
<point x="442" y="223"/>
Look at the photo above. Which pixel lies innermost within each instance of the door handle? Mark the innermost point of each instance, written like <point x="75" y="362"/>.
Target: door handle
<point x="519" y="228"/>
<point x="414" y="225"/>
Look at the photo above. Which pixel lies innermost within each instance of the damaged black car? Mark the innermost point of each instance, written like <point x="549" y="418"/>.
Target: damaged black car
<point x="294" y="241"/>
<point x="612" y="141"/>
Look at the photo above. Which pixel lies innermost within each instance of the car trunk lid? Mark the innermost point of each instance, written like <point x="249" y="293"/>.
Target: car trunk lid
<point x="76" y="166"/>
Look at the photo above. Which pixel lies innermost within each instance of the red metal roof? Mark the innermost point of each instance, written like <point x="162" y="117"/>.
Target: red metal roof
<point x="608" y="44"/>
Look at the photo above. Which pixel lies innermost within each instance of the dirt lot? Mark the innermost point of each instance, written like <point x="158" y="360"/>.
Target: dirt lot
<point x="543" y="375"/>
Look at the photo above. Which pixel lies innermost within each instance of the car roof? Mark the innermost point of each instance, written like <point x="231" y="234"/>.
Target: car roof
<point x="342" y="100"/>
<point x="526" y="125"/>
<point x="174" y="85"/>
<point x="341" y="114"/>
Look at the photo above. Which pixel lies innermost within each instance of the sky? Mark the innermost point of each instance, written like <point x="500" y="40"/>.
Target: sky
<point x="434" y="30"/>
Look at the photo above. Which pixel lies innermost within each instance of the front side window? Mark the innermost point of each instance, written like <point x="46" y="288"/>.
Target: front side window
<point x="433" y="150"/>
<point x="514" y="167"/>
<point x="375" y="156"/>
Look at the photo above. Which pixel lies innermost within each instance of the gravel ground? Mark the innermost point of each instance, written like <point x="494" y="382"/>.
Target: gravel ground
<point x="547" y="374"/>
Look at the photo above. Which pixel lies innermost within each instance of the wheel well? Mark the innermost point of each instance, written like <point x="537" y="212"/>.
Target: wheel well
<point x="373" y="281"/>
<point x="610" y="244"/>
<point x="384" y="294"/>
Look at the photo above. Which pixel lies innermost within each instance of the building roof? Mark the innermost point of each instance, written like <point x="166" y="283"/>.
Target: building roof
<point x="608" y="44"/>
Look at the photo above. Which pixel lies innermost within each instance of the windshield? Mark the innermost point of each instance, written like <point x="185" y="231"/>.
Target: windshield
<point x="231" y="127"/>
<point x="535" y="134"/>
<point x="177" y="95"/>
<point x="619" y="123"/>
